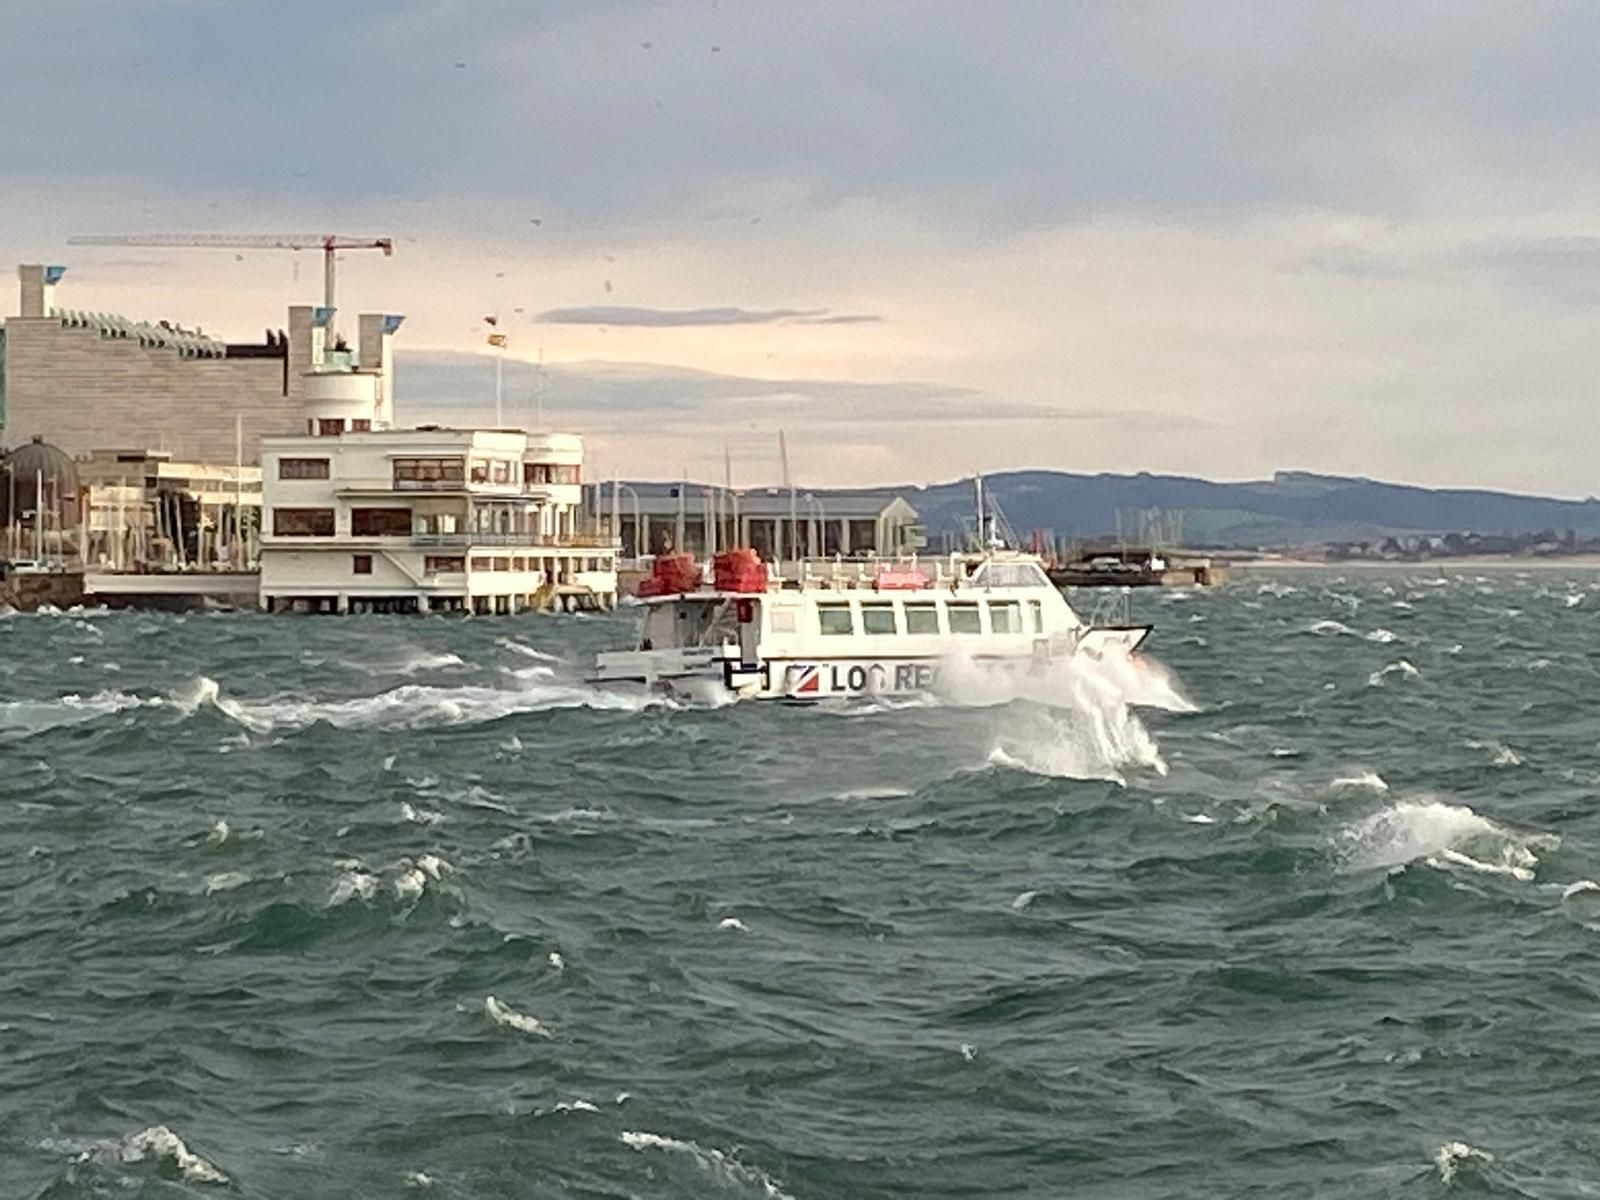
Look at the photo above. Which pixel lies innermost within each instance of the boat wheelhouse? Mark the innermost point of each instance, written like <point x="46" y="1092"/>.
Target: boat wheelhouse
<point x="878" y="627"/>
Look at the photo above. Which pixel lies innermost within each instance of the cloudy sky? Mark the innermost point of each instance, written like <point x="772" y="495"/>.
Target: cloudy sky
<point x="921" y="238"/>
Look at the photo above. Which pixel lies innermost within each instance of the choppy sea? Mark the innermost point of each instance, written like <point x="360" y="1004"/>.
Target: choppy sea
<point x="377" y="907"/>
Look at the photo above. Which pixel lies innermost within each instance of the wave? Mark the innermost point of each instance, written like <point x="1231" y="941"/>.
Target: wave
<point x="155" y="1144"/>
<point x="423" y="661"/>
<point x="1382" y="636"/>
<point x="1451" y="1156"/>
<point x="25" y="718"/>
<point x="1402" y="668"/>
<point x="512" y="1019"/>
<point x="723" y="1167"/>
<point x="410" y="706"/>
<point x="1500" y="754"/>
<point x="1439" y="834"/>
<point x="528" y="651"/>
<point x="1331" y="628"/>
<point x="1369" y="780"/>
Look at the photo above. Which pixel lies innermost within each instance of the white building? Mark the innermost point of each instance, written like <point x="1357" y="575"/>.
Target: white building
<point x="359" y="517"/>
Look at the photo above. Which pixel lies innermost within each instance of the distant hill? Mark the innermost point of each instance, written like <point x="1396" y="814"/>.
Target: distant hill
<point x="1293" y="507"/>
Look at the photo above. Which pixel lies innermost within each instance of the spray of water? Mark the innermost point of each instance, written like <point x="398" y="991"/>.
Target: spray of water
<point x="1072" y="718"/>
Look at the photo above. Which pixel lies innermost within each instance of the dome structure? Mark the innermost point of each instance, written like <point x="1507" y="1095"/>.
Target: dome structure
<point x="38" y="470"/>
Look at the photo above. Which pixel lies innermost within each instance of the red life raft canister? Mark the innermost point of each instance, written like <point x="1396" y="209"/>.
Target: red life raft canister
<point x="669" y="575"/>
<point x="739" y="570"/>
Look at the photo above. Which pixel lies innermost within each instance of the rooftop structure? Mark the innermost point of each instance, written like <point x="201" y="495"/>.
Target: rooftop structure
<point x="72" y="375"/>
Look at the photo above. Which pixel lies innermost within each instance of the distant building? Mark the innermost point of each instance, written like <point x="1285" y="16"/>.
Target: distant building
<point x="360" y="517"/>
<point x="658" y="518"/>
<point x="81" y="379"/>
<point x="144" y="510"/>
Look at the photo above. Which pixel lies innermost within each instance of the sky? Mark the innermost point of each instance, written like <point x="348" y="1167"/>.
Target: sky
<point x="919" y="238"/>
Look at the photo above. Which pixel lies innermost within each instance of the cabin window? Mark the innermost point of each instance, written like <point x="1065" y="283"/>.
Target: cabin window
<point x="877" y="619"/>
<point x="361" y="564"/>
<point x="302" y="522"/>
<point x="380" y="522"/>
<point x="330" y="426"/>
<point x="1014" y="574"/>
<point x="1035" y="616"/>
<point x="922" y="618"/>
<point x="443" y="564"/>
<point x="1005" y="617"/>
<point x="782" y="620"/>
<point x="835" y="619"/>
<point x="964" y="618"/>
<point x="302" y="468"/>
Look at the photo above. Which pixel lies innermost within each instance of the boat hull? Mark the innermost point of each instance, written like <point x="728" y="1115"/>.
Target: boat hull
<point x="801" y="680"/>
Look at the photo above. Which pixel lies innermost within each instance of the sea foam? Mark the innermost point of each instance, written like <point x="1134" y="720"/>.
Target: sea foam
<point x="725" y="1168"/>
<point x="1439" y="834"/>
<point x="512" y="1019"/>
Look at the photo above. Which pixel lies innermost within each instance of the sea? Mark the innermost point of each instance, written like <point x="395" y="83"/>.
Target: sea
<point x="1306" y="903"/>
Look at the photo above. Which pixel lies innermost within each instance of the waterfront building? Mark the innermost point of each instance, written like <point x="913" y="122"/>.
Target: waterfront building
<point x="361" y="517"/>
<point x="74" y="376"/>
<point x="143" y="510"/>
<point x="699" y="519"/>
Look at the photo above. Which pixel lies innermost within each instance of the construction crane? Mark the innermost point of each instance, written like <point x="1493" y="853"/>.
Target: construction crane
<point x="330" y="245"/>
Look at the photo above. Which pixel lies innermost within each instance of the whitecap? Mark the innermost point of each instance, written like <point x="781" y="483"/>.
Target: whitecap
<point x="419" y="1179"/>
<point x="528" y="651"/>
<point x="159" y="1144"/>
<point x="1328" y="627"/>
<point x="1383" y="636"/>
<point x="1575" y="599"/>
<point x="1200" y="819"/>
<point x="1023" y="899"/>
<point x="1367" y="780"/>
<point x="723" y="1167"/>
<point x="512" y="1019"/>
<point x="409" y="884"/>
<point x="225" y="881"/>
<point x="872" y="793"/>
<point x="968" y="1051"/>
<point x="1450" y="1156"/>
<point x="576" y="1106"/>
<point x="733" y="923"/>
<point x="419" y="816"/>
<point x="1439" y="834"/>
<point x="428" y="662"/>
<point x="219" y="832"/>
<point x="556" y="961"/>
<point x="1403" y="668"/>
<point x="353" y="884"/>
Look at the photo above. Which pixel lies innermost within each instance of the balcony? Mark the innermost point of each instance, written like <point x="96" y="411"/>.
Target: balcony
<point x="464" y="541"/>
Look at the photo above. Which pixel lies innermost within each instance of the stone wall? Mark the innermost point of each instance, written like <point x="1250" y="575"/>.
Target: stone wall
<point x="82" y="392"/>
<point x="28" y="592"/>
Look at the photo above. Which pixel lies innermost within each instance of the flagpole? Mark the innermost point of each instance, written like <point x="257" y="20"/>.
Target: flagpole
<point x="499" y="385"/>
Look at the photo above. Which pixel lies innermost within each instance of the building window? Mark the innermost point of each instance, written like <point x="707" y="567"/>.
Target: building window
<point x="480" y="472"/>
<point x="1005" y="616"/>
<point x="835" y="619"/>
<point x="361" y="425"/>
<point x="964" y="618"/>
<point x="877" y="619"/>
<point x="482" y="562"/>
<point x="380" y="522"/>
<point x="443" y="564"/>
<point x="500" y="471"/>
<point x="330" y="426"/>
<point x="302" y="468"/>
<point x="549" y="473"/>
<point x="922" y="618"/>
<point x="428" y="470"/>
<point x="302" y="522"/>
<point x="361" y="564"/>
<point x="502" y="564"/>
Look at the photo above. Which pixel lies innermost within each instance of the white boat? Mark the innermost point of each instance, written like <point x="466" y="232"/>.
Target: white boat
<point x="846" y="629"/>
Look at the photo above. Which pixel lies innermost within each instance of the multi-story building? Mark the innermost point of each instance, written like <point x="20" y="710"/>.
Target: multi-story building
<point x="80" y="378"/>
<point x="362" y="518"/>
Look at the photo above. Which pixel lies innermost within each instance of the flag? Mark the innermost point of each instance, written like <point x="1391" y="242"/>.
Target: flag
<point x="491" y="320"/>
<point x="498" y="340"/>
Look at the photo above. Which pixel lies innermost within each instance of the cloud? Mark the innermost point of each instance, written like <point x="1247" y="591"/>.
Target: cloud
<point x="677" y="318"/>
